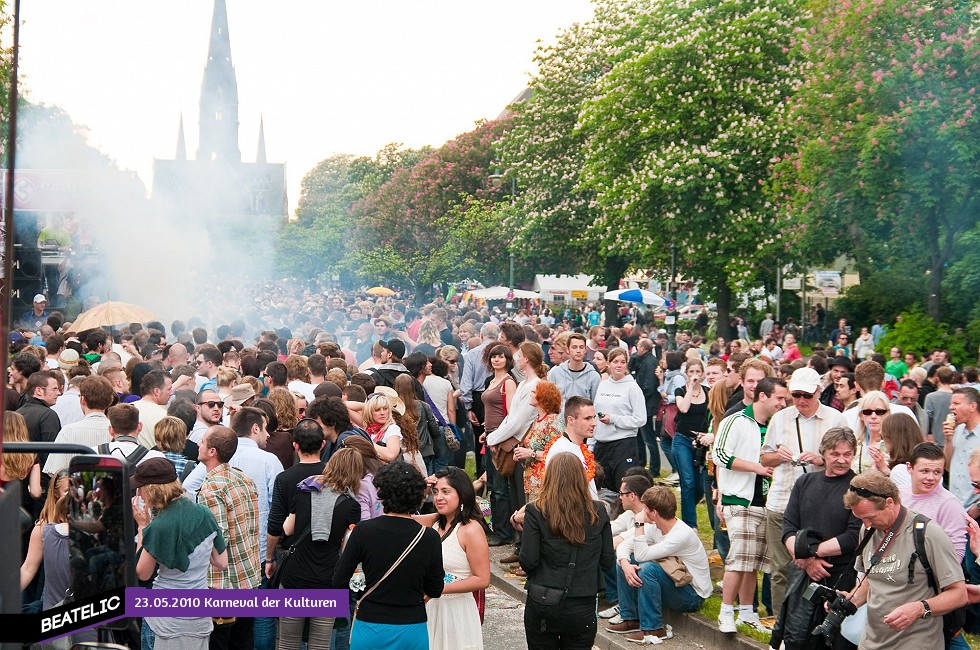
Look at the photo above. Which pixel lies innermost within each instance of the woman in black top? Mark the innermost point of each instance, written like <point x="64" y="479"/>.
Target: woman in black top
<point x="322" y="509"/>
<point x="564" y="525"/>
<point x="692" y="419"/>
<point x="392" y="616"/>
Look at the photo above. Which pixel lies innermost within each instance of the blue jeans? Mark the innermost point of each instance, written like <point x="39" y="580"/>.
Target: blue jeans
<point x="721" y="536"/>
<point x="692" y="485"/>
<point x="610" y="585"/>
<point x="264" y="630"/>
<point x="646" y="604"/>
<point x="146" y="636"/>
<point x="646" y="448"/>
<point x="666" y="443"/>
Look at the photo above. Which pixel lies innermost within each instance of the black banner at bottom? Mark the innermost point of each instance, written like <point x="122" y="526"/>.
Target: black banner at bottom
<point x="65" y="619"/>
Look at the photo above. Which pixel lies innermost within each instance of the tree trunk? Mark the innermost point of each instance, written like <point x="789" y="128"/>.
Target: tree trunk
<point x="615" y="267"/>
<point x="724" y="310"/>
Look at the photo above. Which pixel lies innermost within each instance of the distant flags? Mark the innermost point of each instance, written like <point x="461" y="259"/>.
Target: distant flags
<point x="451" y="293"/>
<point x="671" y="305"/>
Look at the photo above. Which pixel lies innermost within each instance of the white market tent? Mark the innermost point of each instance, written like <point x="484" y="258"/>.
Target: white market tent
<point x="567" y="288"/>
<point x="501" y="293"/>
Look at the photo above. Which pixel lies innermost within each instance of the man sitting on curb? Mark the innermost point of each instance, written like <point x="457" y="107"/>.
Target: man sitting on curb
<point x="645" y="588"/>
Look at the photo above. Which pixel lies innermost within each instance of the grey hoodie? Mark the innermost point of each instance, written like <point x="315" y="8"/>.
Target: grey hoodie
<point x="583" y="383"/>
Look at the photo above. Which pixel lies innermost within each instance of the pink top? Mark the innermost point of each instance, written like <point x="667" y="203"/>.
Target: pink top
<point x="943" y="508"/>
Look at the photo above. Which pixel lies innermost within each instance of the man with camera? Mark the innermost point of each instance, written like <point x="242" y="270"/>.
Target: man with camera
<point x="820" y="536"/>
<point x="903" y="610"/>
<point x="793" y="439"/>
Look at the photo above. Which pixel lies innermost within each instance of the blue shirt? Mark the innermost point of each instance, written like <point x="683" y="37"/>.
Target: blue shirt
<point x="964" y="443"/>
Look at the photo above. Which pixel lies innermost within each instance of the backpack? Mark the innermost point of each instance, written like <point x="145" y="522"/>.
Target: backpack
<point x="133" y="459"/>
<point x="954" y="621"/>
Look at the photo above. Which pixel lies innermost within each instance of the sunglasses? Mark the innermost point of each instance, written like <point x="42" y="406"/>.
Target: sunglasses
<point x="622" y="494"/>
<point x="801" y="395"/>
<point x="866" y="493"/>
<point x="211" y="404"/>
<point x="878" y="412"/>
<point x="975" y="484"/>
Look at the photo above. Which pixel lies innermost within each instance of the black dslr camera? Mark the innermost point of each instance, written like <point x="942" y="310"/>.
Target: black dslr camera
<point x="839" y="609"/>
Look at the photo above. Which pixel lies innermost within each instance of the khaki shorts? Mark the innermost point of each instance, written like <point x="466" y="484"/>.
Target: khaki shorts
<point x="747" y="533"/>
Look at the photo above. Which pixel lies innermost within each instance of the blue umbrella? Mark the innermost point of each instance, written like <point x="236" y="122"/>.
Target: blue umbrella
<point x="635" y="295"/>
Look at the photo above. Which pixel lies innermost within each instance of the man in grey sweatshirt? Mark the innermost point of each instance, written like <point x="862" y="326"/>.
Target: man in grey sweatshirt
<point x="575" y="376"/>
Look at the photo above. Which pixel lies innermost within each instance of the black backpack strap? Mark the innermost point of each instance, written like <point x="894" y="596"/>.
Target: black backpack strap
<point x="188" y="468"/>
<point x="919" y="538"/>
<point x="137" y="455"/>
<point x="104" y="449"/>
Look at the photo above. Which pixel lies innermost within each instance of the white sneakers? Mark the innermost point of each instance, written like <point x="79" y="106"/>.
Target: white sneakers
<point x="616" y="619"/>
<point x="726" y="624"/>
<point x="609" y="613"/>
<point x="752" y="620"/>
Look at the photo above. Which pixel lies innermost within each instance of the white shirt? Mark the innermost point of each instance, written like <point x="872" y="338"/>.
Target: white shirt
<point x="681" y="541"/>
<point x="782" y="431"/>
<point x="563" y="444"/>
<point x="91" y="431"/>
<point x="303" y="388"/>
<point x="439" y="390"/>
<point x="150" y="414"/>
<point x="69" y="407"/>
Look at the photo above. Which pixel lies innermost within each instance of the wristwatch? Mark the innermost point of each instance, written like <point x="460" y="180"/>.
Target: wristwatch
<point x="927" y="611"/>
<point x="637" y="524"/>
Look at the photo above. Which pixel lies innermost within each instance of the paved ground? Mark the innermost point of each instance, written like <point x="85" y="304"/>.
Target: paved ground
<point x="503" y="627"/>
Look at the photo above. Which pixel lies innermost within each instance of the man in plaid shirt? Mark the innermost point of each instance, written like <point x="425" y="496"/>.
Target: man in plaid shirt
<point x="233" y="498"/>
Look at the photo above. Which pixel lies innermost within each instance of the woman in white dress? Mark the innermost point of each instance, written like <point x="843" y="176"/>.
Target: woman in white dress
<point x="453" y="619"/>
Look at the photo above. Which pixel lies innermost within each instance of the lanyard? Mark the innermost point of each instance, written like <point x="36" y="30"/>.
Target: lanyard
<point x="880" y="553"/>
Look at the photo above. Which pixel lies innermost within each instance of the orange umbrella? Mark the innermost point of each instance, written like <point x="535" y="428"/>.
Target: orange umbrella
<point x="112" y="313"/>
<point x="381" y="291"/>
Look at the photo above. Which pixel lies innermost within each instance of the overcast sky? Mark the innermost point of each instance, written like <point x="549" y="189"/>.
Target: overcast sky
<point x="328" y="76"/>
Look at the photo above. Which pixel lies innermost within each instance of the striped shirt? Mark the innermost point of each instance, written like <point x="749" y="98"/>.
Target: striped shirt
<point x="91" y="431"/>
<point x="232" y="497"/>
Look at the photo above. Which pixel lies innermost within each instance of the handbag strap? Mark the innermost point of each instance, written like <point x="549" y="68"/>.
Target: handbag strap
<point x="302" y="537"/>
<point x="571" y="568"/>
<point x="394" y="566"/>
<point x="435" y="411"/>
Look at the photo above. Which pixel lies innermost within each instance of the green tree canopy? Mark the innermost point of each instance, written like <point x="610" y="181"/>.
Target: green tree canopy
<point x="887" y="149"/>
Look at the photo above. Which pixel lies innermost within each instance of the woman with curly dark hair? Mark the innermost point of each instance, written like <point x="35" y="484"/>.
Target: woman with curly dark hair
<point x="402" y="563"/>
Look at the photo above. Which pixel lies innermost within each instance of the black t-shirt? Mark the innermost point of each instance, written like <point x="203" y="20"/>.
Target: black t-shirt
<point x="377" y="543"/>
<point x="313" y="563"/>
<point x="283" y="491"/>
<point x="696" y="418"/>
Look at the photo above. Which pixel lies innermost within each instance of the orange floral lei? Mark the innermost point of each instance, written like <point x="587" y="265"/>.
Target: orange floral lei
<point x="588" y="455"/>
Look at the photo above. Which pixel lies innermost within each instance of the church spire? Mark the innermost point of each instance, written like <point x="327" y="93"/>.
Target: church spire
<point x="260" y="154"/>
<point x="181" y="149"/>
<point x="218" y="120"/>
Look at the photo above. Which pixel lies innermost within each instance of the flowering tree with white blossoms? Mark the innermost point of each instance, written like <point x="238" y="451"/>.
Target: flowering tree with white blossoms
<point x="679" y="137"/>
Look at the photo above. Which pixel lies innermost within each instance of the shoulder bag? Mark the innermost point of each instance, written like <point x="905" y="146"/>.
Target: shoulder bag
<point x="449" y="431"/>
<point x="550" y="596"/>
<point x="276" y="578"/>
<point x="503" y="457"/>
<point x="401" y="558"/>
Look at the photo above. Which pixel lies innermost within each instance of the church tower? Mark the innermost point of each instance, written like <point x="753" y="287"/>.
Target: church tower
<point x="219" y="96"/>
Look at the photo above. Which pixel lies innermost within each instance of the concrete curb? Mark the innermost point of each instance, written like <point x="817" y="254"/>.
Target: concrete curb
<point x="689" y="626"/>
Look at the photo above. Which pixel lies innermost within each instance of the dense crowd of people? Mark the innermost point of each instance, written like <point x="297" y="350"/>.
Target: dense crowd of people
<point x="324" y="440"/>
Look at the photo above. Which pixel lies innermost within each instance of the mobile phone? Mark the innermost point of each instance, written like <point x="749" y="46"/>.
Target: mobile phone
<point x="600" y="414"/>
<point x="101" y="530"/>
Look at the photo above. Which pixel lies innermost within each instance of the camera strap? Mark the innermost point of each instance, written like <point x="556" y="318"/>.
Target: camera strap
<point x="880" y="553"/>
<point x="799" y="438"/>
